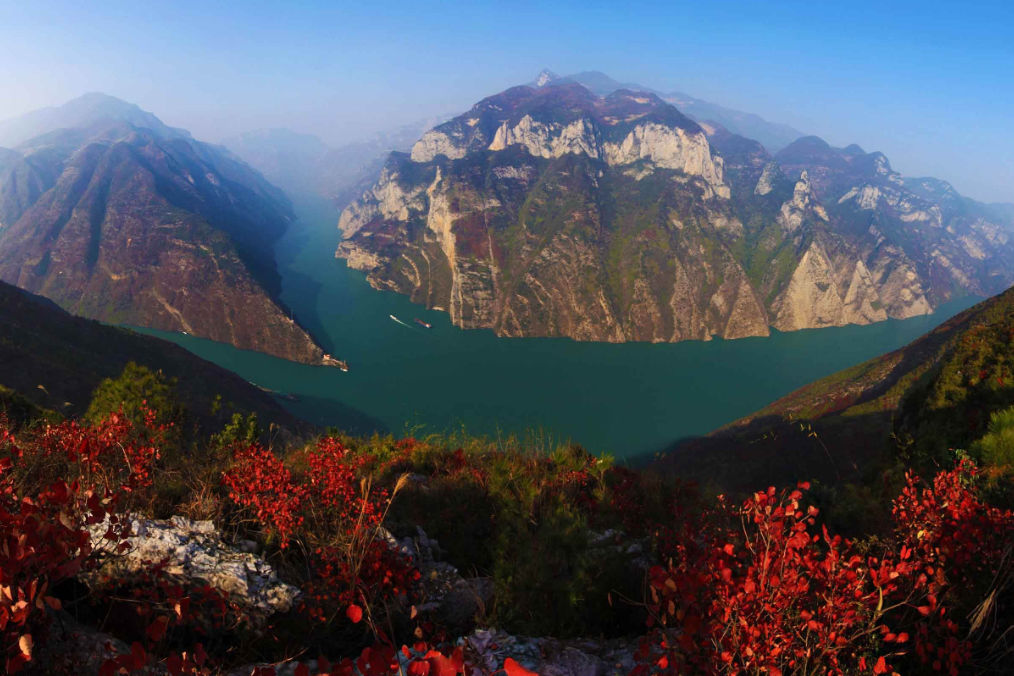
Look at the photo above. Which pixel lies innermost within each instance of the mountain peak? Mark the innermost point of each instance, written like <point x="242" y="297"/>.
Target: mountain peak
<point x="85" y="111"/>
<point x="545" y="77"/>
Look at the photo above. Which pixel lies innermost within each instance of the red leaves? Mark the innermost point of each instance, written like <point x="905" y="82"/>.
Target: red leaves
<point x="42" y="535"/>
<point x="513" y="668"/>
<point x="755" y="589"/>
<point x="434" y="663"/>
<point x="260" y="482"/>
<point x="156" y="630"/>
<point x="770" y="596"/>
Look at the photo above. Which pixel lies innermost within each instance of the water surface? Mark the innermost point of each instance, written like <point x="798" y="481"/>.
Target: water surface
<point x="626" y="399"/>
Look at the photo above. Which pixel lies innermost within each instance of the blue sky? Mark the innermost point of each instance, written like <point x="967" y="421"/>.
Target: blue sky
<point x="930" y="84"/>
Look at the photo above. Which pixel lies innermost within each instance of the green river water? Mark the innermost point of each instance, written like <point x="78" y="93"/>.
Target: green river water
<point x="628" y="399"/>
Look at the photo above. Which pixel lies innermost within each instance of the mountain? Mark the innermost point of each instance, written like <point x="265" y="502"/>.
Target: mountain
<point x="772" y="135"/>
<point x="56" y="361"/>
<point x="120" y="218"/>
<point x="555" y="212"/>
<point x="301" y="163"/>
<point x="912" y="405"/>
<point x="84" y="112"/>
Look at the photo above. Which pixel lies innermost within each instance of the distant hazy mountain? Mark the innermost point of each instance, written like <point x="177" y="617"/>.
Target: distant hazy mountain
<point x="84" y="113"/>
<point x="301" y="163"/>
<point x="118" y="217"/>
<point x="553" y="211"/>
<point x="772" y="135"/>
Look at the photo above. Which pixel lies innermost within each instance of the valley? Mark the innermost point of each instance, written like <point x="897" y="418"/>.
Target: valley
<point x="342" y="346"/>
<point x="628" y="399"/>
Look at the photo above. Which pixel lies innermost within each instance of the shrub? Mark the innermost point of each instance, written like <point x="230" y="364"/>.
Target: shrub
<point x="759" y="589"/>
<point x="53" y="484"/>
<point x="996" y="448"/>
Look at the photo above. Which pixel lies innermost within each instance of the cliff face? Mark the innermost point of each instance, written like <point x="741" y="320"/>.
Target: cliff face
<point x="555" y="212"/>
<point x="130" y="225"/>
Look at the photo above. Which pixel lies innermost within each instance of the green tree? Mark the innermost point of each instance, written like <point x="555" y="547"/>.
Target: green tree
<point x="134" y="389"/>
<point x="996" y="448"/>
<point x="240" y="429"/>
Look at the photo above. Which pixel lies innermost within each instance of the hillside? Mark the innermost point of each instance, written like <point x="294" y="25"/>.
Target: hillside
<point x="120" y="218"/>
<point x="551" y="211"/>
<point x="910" y="405"/>
<point x="56" y="361"/>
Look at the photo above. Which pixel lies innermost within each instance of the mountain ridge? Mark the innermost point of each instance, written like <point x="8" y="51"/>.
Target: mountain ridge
<point x="552" y="211"/>
<point x="147" y="227"/>
<point x="774" y="136"/>
<point x="56" y="360"/>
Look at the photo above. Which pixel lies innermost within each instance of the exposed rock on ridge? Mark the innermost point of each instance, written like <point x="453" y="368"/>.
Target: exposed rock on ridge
<point x="554" y="212"/>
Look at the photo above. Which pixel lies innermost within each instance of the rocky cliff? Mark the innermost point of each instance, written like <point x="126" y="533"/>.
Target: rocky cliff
<point x="145" y="226"/>
<point x="551" y="211"/>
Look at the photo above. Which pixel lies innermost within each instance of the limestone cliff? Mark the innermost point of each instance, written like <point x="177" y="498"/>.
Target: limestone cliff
<point x="550" y="211"/>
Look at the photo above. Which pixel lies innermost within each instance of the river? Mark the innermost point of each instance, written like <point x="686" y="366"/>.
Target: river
<point x="627" y="400"/>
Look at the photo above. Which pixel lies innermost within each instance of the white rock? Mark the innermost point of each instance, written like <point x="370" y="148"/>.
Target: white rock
<point x="194" y="550"/>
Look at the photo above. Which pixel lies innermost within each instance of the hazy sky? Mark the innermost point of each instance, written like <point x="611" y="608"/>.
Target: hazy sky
<point x="930" y="84"/>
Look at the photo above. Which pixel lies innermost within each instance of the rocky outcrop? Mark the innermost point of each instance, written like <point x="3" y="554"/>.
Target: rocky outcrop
<point x="547" y="140"/>
<point x="818" y="296"/>
<point x="551" y="657"/>
<point x="434" y="144"/>
<point x="194" y="551"/>
<point x="387" y="200"/>
<point x="670" y="148"/>
<point x="552" y="212"/>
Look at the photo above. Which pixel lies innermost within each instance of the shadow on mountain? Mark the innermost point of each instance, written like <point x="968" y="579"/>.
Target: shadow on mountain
<point x="307" y="290"/>
<point x="773" y="451"/>
<point x="56" y="360"/>
<point x="330" y="413"/>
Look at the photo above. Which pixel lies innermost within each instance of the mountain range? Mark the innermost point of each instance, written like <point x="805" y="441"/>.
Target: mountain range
<point x="772" y="135"/>
<point x="552" y="211"/>
<point x="303" y="163"/>
<point x="118" y="217"/>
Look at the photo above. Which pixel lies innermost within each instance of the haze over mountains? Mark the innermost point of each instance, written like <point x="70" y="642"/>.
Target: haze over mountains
<point x="302" y="163"/>
<point x="772" y="135"/>
<point x="118" y="217"/>
<point x="579" y="206"/>
<point x="549" y="210"/>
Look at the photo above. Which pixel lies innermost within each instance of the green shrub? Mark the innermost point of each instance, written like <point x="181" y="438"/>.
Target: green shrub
<point x="996" y="448"/>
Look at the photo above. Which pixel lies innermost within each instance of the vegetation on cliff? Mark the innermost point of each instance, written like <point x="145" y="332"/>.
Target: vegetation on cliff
<point x="551" y="211"/>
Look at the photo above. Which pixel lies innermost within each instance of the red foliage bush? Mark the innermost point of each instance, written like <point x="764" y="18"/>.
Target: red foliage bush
<point x="260" y="482"/>
<point x="955" y="543"/>
<point x="758" y="588"/>
<point x="336" y="516"/>
<point x="765" y="594"/>
<point x="52" y="485"/>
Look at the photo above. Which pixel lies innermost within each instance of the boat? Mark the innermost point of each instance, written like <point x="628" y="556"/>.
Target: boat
<point x="425" y="325"/>
<point x="394" y="318"/>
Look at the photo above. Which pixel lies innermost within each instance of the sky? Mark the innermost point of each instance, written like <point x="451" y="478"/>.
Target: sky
<point x="930" y="84"/>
